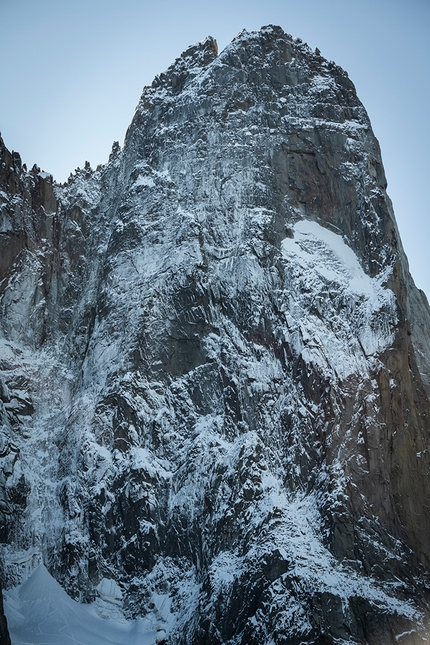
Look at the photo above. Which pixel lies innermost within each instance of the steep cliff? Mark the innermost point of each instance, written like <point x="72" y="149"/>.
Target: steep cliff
<point x="215" y="364"/>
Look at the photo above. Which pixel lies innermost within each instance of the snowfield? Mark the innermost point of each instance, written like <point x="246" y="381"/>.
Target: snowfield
<point x="39" y="612"/>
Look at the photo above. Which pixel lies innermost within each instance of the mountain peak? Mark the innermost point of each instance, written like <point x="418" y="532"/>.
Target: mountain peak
<point x="212" y="386"/>
<point x="190" y="62"/>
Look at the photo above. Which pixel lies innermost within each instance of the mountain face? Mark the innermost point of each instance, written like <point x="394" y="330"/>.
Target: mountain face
<point x="215" y="366"/>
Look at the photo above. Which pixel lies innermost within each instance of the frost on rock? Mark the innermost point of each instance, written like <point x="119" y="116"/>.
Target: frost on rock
<point x="213" y="427"/>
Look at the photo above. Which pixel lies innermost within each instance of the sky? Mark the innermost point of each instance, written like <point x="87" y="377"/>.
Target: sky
<point x="72" y="72"/>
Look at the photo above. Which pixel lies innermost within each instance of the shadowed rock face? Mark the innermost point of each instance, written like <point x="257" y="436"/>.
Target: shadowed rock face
<point x="4" y="633"/>
<point x="215" y="364"/>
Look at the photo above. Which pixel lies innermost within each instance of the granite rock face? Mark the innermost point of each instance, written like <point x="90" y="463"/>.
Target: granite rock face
<point x="215" y="366"/>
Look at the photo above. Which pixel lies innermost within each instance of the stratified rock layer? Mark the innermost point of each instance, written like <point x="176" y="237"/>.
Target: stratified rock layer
<point x="215" y="364"/>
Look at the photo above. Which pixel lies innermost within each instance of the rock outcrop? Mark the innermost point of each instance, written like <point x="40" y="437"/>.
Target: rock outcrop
<point x="215" y="365"/>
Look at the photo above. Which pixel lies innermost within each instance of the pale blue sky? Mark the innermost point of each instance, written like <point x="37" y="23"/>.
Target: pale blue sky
<point x="72" y="72"/>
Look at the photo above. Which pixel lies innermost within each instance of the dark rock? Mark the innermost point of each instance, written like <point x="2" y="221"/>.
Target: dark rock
<point x="4" y="633"/>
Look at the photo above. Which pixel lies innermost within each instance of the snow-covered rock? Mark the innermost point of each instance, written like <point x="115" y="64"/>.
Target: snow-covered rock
<point x="215" y="366"/>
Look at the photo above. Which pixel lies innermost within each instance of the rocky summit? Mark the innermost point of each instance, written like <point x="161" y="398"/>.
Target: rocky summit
<point x="215" y="370"/>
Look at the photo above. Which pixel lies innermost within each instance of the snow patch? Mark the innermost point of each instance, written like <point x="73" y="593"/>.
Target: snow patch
<point x="39" y="612"/>
<point x="145" y="181"/>
<point x="338" y="316"/>
<point x="109" y="590"/>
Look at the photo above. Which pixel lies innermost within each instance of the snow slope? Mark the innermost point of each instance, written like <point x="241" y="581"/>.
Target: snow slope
<point x="39" y="612"/>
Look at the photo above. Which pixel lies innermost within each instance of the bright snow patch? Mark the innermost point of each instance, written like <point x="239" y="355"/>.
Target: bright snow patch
<point x="337" y="314"/>
<point x="39" y="612"/>
<point x="336" y="260"/>
<point x="147" y="182"/>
